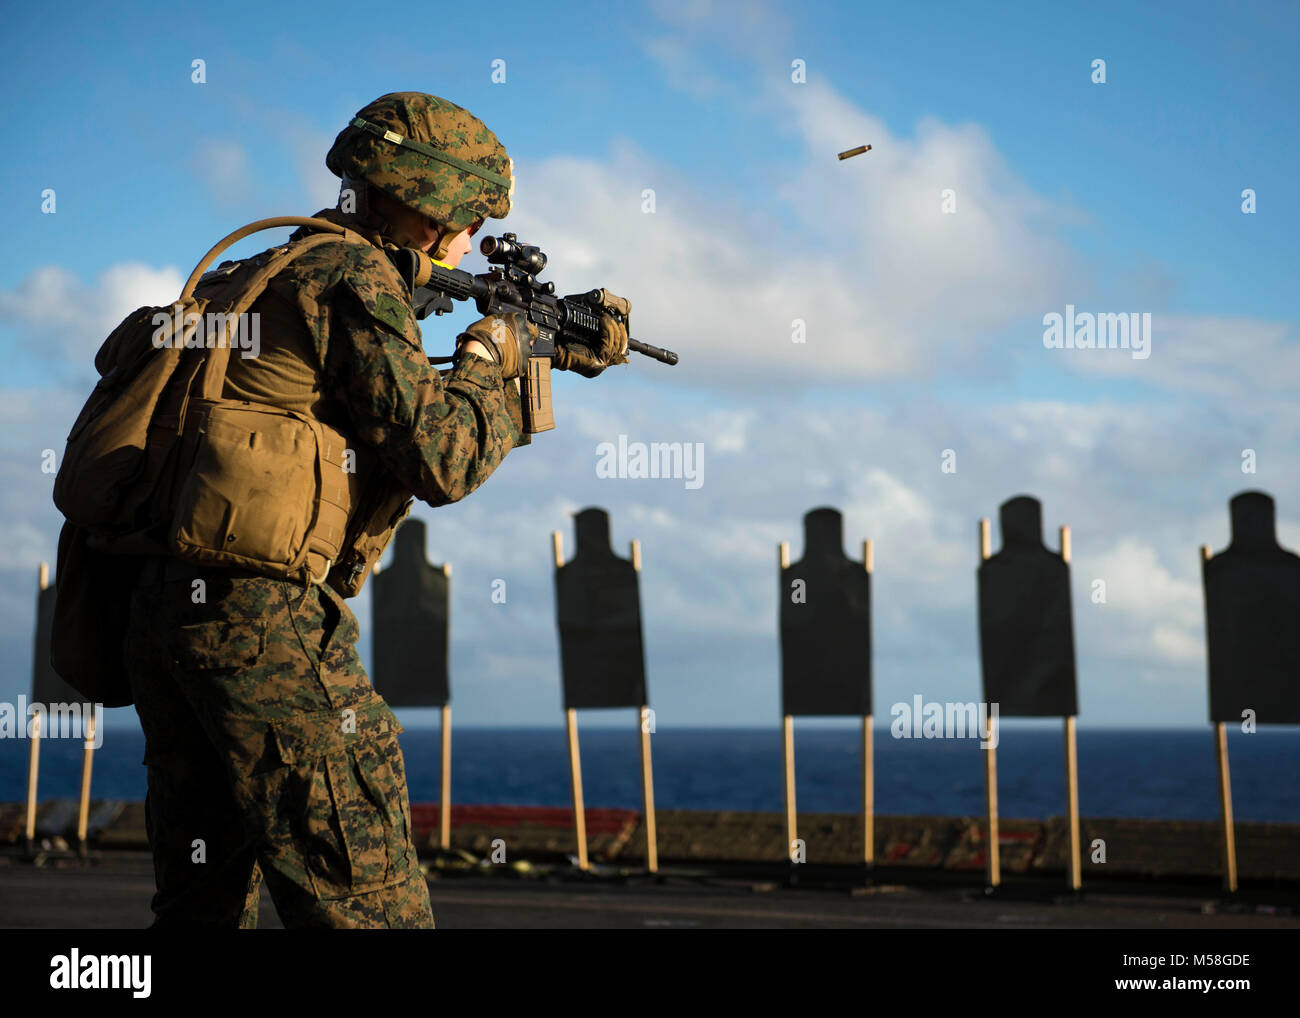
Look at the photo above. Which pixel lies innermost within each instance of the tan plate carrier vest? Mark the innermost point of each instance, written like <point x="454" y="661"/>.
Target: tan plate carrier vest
<point x="174" y="469"/>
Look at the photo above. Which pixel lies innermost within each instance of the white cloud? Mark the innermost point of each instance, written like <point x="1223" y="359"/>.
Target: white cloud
<point x="63" y="320"/>
<point x="942" y="280"/>
<point x="885" y="284"/>
<point x="936" y="286"/>
<point x="1227" y="357"/>
<point x="1178" y="646"/>
<point x="728" y="431"/>
<point x="1149" y="610"/>
<point x="732" y="306"/>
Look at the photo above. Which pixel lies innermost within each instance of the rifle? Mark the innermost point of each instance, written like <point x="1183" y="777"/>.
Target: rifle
<point x="512" y="285"/>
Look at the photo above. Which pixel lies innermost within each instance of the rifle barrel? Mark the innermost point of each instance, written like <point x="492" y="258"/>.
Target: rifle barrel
<point x="658" y="353"/>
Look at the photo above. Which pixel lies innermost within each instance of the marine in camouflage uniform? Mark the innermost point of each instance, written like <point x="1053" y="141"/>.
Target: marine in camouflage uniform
<point x="269" y="754"/>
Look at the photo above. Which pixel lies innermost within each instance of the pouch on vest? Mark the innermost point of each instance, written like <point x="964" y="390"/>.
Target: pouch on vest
<point x="267" y="490"/>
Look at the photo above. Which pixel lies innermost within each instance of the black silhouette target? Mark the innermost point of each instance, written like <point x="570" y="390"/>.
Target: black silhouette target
<point x="598" y="609"/>
<point x="47" y="685"/>
<point x="411" y="605"/>
<point x="825" y="625"/>
<point x="1252" y="607"/>
<point x="1025" y="620"/>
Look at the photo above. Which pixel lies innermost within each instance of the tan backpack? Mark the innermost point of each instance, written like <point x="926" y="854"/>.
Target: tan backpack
<point x="127" y="430"/>
<point x="117" y="480"/>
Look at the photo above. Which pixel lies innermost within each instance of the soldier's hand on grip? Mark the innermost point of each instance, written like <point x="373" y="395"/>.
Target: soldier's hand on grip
<point x="613" y="342"/>
<point x="509" y="337"/>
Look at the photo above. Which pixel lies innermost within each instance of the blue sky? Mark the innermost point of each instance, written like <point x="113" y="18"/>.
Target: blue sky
<point x="1198" y="104"/>
<point x="924" y="329"/>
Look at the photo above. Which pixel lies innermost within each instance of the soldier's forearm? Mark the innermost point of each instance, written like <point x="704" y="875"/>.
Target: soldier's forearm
<point x="458" y="445"/>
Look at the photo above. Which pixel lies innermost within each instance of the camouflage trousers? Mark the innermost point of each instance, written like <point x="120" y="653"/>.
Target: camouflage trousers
<point x="269" y="756"/>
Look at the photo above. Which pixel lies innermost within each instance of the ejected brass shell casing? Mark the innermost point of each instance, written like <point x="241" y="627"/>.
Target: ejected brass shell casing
<point x="855" y="151"/>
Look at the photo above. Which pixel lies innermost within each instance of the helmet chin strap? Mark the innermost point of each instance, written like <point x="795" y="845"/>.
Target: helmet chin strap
<point x="439" y="250"/>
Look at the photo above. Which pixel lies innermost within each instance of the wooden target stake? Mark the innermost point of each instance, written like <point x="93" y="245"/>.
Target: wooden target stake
<point x="444" y="797"/>
<point x="575" y="761"/>
<point x="1075" y="874"/>
<point x="868" y="763"/>
<point x="787" y="748"/>
<point x="647" y="766"/>
<point x="444" y="793"/>
<point x="88" y="756"/>
<point x="34" y="752"/>
<point x="33" y="764"/>
<point x="993" y="863"/>
<point x="1225" y="783"/>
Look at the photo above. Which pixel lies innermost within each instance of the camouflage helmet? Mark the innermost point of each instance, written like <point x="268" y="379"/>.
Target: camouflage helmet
<point x="429" y="154"/>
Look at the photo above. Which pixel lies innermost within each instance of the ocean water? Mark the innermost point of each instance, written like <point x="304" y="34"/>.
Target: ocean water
<point x="1122" y="773"/>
